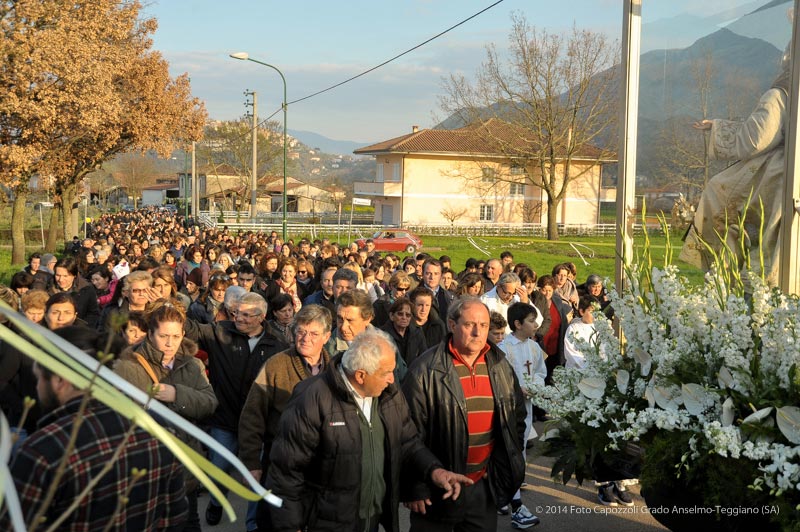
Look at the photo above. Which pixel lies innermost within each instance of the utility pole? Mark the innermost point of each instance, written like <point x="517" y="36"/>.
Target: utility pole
<point x="254" y="177"/>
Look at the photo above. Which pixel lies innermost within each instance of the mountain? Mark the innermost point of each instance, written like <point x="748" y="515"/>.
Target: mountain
<point x="326" y="145"/>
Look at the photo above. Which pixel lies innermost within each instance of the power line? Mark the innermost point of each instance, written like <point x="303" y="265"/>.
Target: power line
<point x="398" y="55"/>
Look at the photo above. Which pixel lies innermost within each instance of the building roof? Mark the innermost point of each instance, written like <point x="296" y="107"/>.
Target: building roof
<point x="162" y="186"/>
<point x="474" y="139"/>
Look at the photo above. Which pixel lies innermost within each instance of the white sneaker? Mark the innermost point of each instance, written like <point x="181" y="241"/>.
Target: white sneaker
<point x="523" y="518"/>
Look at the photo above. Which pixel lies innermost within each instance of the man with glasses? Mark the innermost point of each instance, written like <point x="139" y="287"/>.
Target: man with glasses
<point x="506" y="292"/>
<point x="236" y="349"/>
<point x="269" y="394"/>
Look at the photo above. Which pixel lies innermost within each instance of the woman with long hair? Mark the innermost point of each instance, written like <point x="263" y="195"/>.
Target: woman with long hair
<point x="209" y="307"/>
<point x="166" y="287"/>
<point x="281" y="318"/>
<point x="287" y="283"/>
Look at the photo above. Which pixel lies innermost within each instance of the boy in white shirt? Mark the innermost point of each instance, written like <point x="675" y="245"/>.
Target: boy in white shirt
<point x="581" y="328"/>
<point x="527" y="358"/>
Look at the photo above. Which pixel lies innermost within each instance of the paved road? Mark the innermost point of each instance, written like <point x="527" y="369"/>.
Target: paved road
<point x="570" y="507"/>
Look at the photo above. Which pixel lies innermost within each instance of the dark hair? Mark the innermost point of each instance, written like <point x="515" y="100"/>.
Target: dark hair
<point x="420" y="291"/>
<point x="246" y="268"/>
<point x="526" y="274"/>
<point x="558" y="267"/>
<point x="21" y="280"/>
<point x="61" y="297"/>
<point x="87" y="340"/>
<point x="102" y="270"/>
<point x="507" y="254"/>
<point x="147" y="263"/>
<point x="586" y="302"/>
<point x="278" y="302"/>
<point x="518" y="312"/>
<point x="138" y="319"/>
<point x="68" y="263"/>
<point x="399" y="303"/>
<point x="546" y="280"/>
<point x="445" y="258"/>
<point x="357" y="298"/>
<point x="497" y="321"/>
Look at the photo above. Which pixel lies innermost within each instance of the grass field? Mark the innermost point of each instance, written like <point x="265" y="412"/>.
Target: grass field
<point x="590" y="254"/>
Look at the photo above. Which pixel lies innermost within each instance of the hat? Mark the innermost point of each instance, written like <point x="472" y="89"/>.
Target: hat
<point x="195" y="276"/>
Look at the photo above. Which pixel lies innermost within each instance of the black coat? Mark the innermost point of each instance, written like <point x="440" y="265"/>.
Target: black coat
<point x="85" y="300"/>
<point x="315" y="461"/>
<point x="439" y="410"/>
<point x="410" y="346"/>
<point x="232" y="368"/>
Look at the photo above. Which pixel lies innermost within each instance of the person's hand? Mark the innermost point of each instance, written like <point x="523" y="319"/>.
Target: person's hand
<point x="522" y="292"/>
<point x="418" y="506"/>
<point x="166" y="393"/>
<point x="450" y="482"/>
<point x="152" y="294"/>
<point x="256" y="474"/>
<point x="702" y="125"/>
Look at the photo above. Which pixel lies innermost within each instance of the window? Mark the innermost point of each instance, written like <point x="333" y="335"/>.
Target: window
<point x="488" y="174"/>
<point x="517" y="170"/>
<point x="608" y="175"/>
<point x="516" y="189"/>
<point x="396" y="172"/>
<point x="487" y="213"/>
<point x="379" y="173"/>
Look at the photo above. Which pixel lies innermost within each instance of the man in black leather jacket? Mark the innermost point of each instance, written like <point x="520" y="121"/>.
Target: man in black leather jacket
<point x="466" y="378"/>
<point x="344" y="440"/>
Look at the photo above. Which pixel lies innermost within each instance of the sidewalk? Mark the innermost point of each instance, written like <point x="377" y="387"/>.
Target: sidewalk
<point x="560" y="507"/>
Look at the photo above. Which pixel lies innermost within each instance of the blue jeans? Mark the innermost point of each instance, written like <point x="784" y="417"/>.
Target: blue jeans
<point x="230" y="441"/>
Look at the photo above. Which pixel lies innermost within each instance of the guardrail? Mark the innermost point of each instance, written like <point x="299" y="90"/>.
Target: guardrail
<point x="363" y="230"/>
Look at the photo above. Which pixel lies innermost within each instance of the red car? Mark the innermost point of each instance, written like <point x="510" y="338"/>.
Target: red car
<point x="393" y="240"/>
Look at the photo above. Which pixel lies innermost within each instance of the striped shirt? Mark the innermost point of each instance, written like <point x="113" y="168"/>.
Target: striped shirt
<point x="480" y="410"/>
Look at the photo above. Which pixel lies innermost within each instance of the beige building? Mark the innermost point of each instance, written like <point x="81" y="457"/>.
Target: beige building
<point x="435" y="176"/>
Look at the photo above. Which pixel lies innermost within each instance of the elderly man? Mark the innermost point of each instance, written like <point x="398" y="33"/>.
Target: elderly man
<point x="155" y="501"/>
<point x="491" y="273"/>
<point x="343" y="441"/>
<point x="507" y="291"/>
<point x="236" y="351"/>
<point x="466" y="378"/>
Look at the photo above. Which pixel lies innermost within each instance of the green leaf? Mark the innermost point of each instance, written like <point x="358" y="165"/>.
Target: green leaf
<point x="788" y="418"/>
<point x="8" y="490"/>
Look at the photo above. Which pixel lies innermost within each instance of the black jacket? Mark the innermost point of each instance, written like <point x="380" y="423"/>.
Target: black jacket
<point x="410" y="346"/>
<point x="232" y="368"/>
<point x="85" y="300"/>
<point x="437" y="406"/>
<point x="315" y="462"/>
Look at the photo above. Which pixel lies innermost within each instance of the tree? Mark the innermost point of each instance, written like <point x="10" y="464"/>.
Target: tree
<point x="556" y="93"/>
<point x="228" y="148"/>
<point x="452" y="214"/>
<point x="134" y="171"/>
<point x="81" y="85"/>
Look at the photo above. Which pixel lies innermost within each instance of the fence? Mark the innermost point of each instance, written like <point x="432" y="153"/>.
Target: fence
<point x="528" y="230"/>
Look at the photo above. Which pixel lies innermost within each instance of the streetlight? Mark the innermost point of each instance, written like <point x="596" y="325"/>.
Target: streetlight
<point x="244" y="56"/>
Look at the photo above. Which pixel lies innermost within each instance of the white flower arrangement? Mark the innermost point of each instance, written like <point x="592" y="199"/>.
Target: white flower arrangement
<point x="712" y="362"/>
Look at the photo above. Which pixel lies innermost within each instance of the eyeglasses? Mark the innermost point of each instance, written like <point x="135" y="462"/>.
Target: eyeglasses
<point x="138" y="290"/>
<point x="301" y="271"/>
<point x="403" y="314"/>
<point x="312" y="335"/>
<point x="248" y="315"/>
<point x="399" y="289"/>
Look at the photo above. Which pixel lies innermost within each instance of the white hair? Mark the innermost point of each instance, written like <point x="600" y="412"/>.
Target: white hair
<point x="365" y="351"/>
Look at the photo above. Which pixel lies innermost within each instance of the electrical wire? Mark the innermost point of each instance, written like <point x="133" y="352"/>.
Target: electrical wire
<point x="348" y="80"/>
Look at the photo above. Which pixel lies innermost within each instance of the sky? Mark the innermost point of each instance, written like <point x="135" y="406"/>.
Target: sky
<point x="318" y="43"/>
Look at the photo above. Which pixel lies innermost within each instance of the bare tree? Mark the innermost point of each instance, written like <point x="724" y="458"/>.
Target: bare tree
<point x="556" y="95"/>
<point x="452" y="214"/>
<point x="135" y="172"/>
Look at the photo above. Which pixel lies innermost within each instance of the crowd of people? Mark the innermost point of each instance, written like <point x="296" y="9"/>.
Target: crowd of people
<point x="346" y="380"/>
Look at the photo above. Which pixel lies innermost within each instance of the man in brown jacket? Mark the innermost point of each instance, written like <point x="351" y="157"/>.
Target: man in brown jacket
<point x="273" y="387"/>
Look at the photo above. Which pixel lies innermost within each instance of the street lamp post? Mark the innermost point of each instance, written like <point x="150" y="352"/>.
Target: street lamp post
<point x="244" y="56"/>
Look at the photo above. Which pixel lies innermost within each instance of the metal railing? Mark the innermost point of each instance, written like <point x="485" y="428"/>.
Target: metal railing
<point x="365" y="229"/>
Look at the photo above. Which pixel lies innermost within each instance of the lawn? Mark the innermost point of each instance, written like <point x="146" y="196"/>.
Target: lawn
<point x="590" y="254"/>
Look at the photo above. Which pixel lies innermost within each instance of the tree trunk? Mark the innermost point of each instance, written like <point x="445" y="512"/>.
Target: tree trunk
<point x="552" y="218"/>
<point x="67" y="197"/>
<point x="18" y="226"/>
<point x="53" y="234"/>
